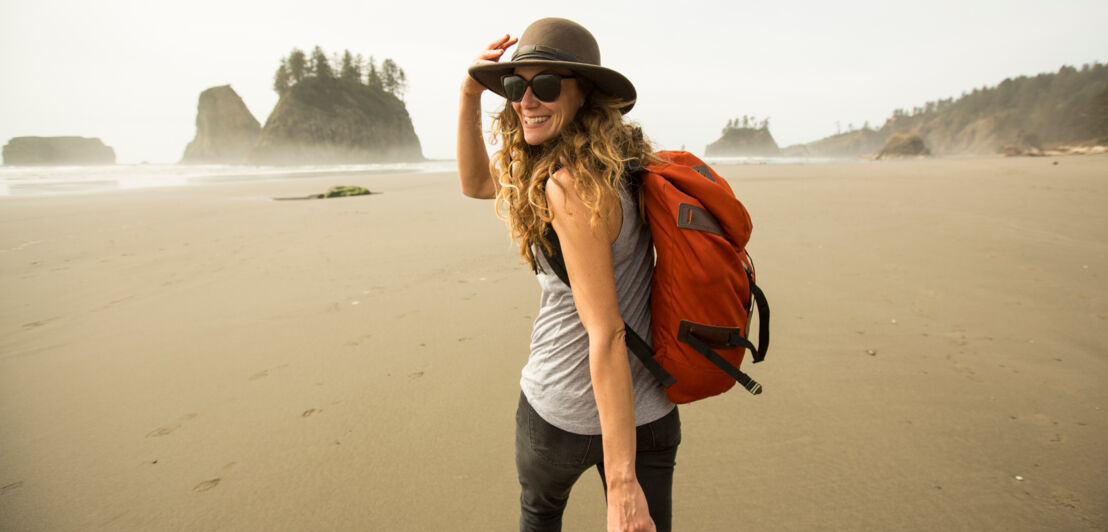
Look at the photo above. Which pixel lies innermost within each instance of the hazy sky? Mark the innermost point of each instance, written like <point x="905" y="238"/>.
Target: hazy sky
<point x="130" y="72"/>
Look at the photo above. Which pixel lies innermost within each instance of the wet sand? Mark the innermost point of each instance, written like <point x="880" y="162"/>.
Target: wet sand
<point x="208" y="358"/>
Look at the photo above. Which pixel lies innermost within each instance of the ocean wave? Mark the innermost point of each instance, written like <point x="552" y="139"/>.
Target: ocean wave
<point x="42" y="180"/>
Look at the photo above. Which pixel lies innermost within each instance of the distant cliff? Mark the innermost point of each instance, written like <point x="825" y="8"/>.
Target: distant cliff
<point x="740" y="139"/>
<point x="57" y="151"/>
<point x="1068" y="107"/>
<point x="336" y="121"/>
<point x="850" y="144"/>
<point x="225" y="129"/>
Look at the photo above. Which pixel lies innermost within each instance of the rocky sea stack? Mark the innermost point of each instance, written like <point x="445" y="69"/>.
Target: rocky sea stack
<point x="34" y="151"/>
<point x="904" y="145"/>
<point x="744" y="139"/>
<point x="336" y="121"/>
<point x="225" y="129"/>
<point x="325" y="115"/>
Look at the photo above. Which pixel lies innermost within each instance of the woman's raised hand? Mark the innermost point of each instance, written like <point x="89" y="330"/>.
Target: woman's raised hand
<point x="490" y="54"/>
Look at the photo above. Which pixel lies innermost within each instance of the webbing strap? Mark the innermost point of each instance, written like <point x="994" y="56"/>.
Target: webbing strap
<point x="762" y="303"/>
<point x="763" y="323"/>
<point x="750" y="384"/>
<point x="642" y="350"/>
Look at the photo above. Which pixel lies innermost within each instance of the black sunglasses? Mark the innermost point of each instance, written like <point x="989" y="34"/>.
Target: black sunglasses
<point x="547" y="87"/>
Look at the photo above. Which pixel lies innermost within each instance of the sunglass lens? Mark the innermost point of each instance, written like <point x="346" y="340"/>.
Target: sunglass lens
<point x="514" y="87"/>
<point x="547" y="87"/>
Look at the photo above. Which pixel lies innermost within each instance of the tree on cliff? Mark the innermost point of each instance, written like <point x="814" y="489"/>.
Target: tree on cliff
<point x="281" y="79"/>
<point x="320" y="67"/>
<point x="1096" y="116"/>
<point x="351" y="70"/>
<point x="395" y="82"/>
<point x="297" y="65"/>
<point x="373" y="77"/>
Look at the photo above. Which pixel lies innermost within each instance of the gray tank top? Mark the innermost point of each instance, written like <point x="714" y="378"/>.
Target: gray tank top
<point x="556" y="379"/>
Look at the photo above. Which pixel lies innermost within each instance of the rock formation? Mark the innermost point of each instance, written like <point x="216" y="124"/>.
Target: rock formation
<point x="857" y="143"/>
<point x="744" y="142"/>
<point x="1022" y="143"/>
<point x="225" y="129"/>
<point x="336" y="121"/>
<point x="796" y="150"/>
<point x="58" y="151"/>
<point x="903" y="145"/>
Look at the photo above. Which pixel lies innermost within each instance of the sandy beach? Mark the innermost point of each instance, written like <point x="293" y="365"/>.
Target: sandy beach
<point x="206" y="358"/>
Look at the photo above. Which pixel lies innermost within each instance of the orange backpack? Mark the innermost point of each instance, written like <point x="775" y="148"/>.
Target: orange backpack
<point x="703" y="291"/>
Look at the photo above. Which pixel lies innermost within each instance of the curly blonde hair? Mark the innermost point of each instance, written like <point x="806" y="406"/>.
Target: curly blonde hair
<point x="595" y="147"/>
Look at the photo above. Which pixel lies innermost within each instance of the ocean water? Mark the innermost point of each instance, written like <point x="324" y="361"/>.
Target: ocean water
<point x="43" y="180"/>
<point x="714" y="161"/>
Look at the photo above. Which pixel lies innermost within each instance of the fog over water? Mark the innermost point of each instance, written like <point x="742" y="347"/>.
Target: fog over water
<point x="130" y="72"/>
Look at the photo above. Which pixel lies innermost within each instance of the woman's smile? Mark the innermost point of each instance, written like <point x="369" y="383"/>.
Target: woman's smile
<point x="543" y="121"/>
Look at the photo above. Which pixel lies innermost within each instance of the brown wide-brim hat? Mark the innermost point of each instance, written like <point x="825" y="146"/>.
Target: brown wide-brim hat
<point x="561" y="43"/>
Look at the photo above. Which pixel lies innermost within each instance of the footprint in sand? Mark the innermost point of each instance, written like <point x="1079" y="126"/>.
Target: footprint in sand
<point x="358" y="341"/>
<point x="39" y="323"/>
<point x="166" y="430"/>
<point x="10" y="487"/>
<point x="206" y="485"/>
<point x="309" y="412"/>
<point x="265" y="372"/>
<point x="163" y="430"/>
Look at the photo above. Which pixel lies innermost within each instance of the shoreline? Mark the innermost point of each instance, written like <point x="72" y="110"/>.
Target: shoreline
<point x="34" y="181"/>
<point x="58" y="180"/>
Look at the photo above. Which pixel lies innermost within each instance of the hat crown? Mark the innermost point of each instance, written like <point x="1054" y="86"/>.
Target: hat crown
<point x="557" y="39"/>
<point x="555" y="43"/>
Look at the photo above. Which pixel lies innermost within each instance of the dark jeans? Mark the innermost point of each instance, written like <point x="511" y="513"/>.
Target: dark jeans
<point x="549" y="461"/>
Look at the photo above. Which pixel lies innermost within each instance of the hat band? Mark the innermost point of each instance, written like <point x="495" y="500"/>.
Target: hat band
<point x="540" y="51"/>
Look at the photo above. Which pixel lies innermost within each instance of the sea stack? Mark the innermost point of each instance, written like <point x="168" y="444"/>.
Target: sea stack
<point x="336" y="121"/>
<point x="744" y="141"/>
<point x="225" y="129"/>
<point x="57" y="151"/>
<point x="904" y="145"/>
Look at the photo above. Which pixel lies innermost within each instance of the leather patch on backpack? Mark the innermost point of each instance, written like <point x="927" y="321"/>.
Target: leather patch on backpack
<point x="690" y="216"/>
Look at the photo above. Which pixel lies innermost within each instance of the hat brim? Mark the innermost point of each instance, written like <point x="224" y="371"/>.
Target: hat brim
<point x="604" y="79"/>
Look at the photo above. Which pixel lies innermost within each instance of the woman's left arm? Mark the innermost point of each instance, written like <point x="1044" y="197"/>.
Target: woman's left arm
<point x="588" y="258"/>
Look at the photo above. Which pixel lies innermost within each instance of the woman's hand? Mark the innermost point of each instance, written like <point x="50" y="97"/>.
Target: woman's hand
<point x="627" y="509"/>
<point x="473" y="160"/>
<point x="490" y="54"/>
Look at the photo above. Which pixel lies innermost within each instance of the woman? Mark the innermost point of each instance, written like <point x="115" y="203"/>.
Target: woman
<point x="559" y="175"/>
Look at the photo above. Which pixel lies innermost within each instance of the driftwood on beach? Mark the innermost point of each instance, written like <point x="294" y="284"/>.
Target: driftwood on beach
<point x="340" y="191"/>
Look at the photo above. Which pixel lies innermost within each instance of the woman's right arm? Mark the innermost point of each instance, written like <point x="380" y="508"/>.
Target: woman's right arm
<point x="473" y="160"/>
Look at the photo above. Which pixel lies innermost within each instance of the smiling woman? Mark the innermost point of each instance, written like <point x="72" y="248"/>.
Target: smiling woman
<point x="542" y="118"/>
<point x="560" y="179"/>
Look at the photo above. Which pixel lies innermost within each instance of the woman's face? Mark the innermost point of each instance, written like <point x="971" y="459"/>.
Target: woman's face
<point x="541" y="120"/>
